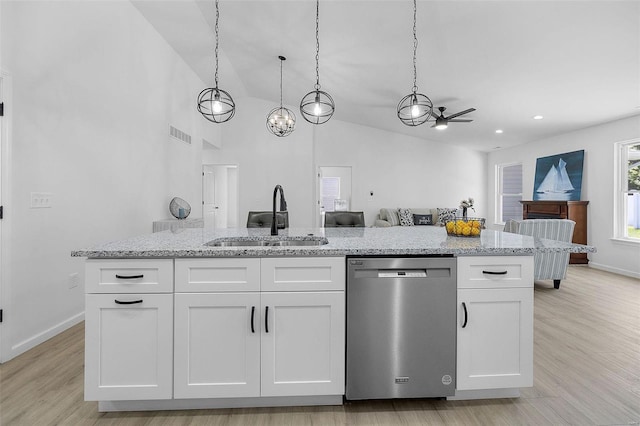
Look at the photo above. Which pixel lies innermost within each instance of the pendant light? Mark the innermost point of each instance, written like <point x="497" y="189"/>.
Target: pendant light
<point x="415" y="108"/>
<point x="216" y="105"/>
<point x="317" y="106"/>
<point x="281" y="121"/>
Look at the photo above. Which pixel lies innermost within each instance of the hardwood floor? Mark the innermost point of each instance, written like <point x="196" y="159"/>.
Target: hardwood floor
<point x="586" y="371"/>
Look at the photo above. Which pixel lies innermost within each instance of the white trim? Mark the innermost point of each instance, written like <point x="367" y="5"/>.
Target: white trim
<point x="34" y="341"/>
<point x="618" y="271"/>
<point x="5" y="235"/>
<point x="207" y="403"/>
<point x="626" y="241"/>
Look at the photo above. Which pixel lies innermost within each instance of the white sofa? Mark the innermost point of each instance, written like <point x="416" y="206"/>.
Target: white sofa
<point x="547" y="266"/>
<point x="385" y="217"/>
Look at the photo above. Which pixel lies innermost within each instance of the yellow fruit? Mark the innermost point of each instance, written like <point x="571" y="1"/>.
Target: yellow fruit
<point x="475" y="231"/>
<point x="466" y="230"/>
<point x="450" y="226"/>
<point x="475" y="224"/>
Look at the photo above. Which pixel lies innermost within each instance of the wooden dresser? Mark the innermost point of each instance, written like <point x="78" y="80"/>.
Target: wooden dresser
<point x="572" y="210"/>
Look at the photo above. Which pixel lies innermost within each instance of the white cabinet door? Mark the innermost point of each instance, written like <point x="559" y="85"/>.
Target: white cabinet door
<point x="217" y="346"/>
<point x="303" y="348"/>
<point x="495" y="338"/>
<point x="128" y="346"/>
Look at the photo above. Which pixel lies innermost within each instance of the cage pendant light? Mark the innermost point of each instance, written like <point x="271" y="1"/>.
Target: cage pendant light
<point x="415" y="108"/>
<point x="317" y="106"/>
<point x="281" y="121"/>
<point x="216" y="105"/>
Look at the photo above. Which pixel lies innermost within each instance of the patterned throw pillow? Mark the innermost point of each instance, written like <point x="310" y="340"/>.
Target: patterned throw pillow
<point x="423" y="219"/>
<point x="406" y="217"/>
<point x="445" y="214"/>
<point x="390" y="215"/>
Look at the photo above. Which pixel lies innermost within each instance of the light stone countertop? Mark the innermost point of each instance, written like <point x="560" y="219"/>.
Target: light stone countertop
<point x="392" y="241"/>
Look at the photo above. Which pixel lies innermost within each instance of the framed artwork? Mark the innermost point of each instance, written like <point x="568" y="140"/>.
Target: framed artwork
<point x="559" y="177"/>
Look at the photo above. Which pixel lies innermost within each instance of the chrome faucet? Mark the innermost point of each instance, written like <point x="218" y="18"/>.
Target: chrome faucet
<point x="283" y="207"/>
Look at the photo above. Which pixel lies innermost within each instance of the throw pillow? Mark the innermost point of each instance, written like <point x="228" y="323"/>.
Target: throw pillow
<point x="445" y="214"/>
<point x="390" y="215"/>
<point x="422" y="219"/>
<point x="406" y="217"/>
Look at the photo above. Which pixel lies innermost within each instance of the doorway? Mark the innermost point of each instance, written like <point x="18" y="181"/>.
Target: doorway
<point x="333" y="189"/>
<point x="220" y="195"/>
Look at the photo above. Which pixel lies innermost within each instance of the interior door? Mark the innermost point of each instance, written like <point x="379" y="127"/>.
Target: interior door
<point x="220" y="195"/>
<point x="333" y="189"/>
<point x="209" y="207"/>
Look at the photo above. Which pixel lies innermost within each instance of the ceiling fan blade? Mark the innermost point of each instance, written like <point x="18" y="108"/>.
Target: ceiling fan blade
<point x="458" y="114"/>
<point x="459" y="120"/>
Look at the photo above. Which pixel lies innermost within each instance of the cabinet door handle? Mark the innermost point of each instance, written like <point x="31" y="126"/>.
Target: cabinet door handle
<point x="466" y="315"/>
<point x="495" y="273"/>
<point x="253" y="312"/>
<point x="266" y="319"/>
<point x="129" y="277"/>
<point x="127" y="302"/>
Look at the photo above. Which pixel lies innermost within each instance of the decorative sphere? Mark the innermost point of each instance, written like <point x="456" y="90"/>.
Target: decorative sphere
<point x="415" y="109"/>
<point x="179" y="208"/>
<point x="281" y="121"/>
<point x="317" y="107"/>
<point x="216" y="105"/>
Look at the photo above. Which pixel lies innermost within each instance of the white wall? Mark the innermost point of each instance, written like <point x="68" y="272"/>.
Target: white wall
<point x="401" y="170"/>
<point x="597" y="185"/>
<point x="94" y="90"/>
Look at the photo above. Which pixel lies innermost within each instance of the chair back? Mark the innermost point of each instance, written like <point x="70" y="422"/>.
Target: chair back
<point x="343" y="219"/>
<point x="551" y="229"/>
<point x="262" y="219"/>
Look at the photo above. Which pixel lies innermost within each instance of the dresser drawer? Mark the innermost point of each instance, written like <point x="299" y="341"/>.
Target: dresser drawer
<point x="303" y="274"/>
<point x="214" y="275"/>
<point x="129" y="276"/>
<point x="495" y="271"/>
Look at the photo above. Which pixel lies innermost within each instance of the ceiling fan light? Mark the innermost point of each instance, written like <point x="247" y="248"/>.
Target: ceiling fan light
<point x="441" y="126"/>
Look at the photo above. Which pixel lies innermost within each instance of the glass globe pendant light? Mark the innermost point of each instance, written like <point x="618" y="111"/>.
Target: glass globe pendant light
<point x="317" y="106"/>
<point x="415" y="108"/>
<point x="281" y="121"/>
<point x="216" y="105"/>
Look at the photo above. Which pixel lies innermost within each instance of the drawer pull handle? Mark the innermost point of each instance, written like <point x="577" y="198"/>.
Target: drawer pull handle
<point x="127" y="302"/>
<point x="495" y="273"/>
<point x="129" y="277"/>
<point x="253" y="312"/>
<point x="466" y="315"/>
<point x="266" y="319"/>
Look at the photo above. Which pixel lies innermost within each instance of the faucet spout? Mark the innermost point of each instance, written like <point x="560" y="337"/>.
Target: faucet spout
<point x="283" y="207"/>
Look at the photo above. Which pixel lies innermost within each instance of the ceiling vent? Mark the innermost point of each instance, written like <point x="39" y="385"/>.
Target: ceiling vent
<point x="179" y="135"/>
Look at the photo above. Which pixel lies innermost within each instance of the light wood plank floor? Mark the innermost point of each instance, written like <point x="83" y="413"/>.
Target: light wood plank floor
<point x="587" y="371"/>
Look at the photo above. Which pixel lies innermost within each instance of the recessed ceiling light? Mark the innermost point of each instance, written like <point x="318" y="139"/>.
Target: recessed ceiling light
<point x="499" y="131"/>
<point x="538" y="117"/>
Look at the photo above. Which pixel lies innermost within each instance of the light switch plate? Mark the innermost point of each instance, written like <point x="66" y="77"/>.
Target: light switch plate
<point x="41" y="200"/>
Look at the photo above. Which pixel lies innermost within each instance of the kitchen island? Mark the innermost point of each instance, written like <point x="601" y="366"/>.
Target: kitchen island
<point x="175" y="323"/>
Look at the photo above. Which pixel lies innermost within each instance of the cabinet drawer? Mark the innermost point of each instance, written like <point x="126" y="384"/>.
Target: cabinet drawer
<point x="214" y="275"/>
<point x="495" y="271"/>
<point x="129" y="276"/>
<point x="303" y="274"/>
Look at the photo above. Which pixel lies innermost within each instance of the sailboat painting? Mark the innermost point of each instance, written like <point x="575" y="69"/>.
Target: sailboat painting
<point x="559" y="177"/>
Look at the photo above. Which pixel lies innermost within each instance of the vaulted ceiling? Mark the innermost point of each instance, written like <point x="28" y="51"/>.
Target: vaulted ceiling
<point x="576" y="63"/>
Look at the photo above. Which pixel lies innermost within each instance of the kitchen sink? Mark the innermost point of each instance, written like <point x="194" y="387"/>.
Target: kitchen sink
<point x="269" y="242"/>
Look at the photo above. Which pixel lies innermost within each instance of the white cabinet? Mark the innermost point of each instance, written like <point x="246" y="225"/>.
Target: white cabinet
<point x="128" y="346"/>
<point x="495" y="322"/>
<point x="251" y="343"/>
<point x="303" y="350"/>
<point x="129" y="329"/>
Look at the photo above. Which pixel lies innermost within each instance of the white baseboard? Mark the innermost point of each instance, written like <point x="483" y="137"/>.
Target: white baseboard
<point x="619" y="271"/>
<point x="45" y="335"/>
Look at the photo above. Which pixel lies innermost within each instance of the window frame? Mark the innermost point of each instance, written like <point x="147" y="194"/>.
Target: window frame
<point x="499" y="183"/>
<point x="621" y="192"/>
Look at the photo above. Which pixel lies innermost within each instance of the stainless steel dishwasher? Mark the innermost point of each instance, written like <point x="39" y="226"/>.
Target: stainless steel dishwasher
<point x="401" y="327"/>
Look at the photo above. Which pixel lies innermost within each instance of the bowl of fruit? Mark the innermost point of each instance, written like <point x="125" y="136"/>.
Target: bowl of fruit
<point x="465" y="226"/>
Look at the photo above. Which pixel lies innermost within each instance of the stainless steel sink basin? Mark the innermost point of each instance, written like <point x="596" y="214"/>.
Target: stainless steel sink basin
<point x="269" y="242"/>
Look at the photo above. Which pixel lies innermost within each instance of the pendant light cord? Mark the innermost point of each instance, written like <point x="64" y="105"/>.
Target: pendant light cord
<point x="280" y="83"/>
<point x="216" y="30"/>
<point x="317" y="86"/>
<point x="415" y="48"/>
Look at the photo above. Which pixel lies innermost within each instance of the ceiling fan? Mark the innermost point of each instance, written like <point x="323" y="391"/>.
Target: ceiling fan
<point x="441" y="122"/>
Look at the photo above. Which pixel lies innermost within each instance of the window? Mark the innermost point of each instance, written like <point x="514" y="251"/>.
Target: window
<point x="627" y="193"/>
<point x="509" y="191"/>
